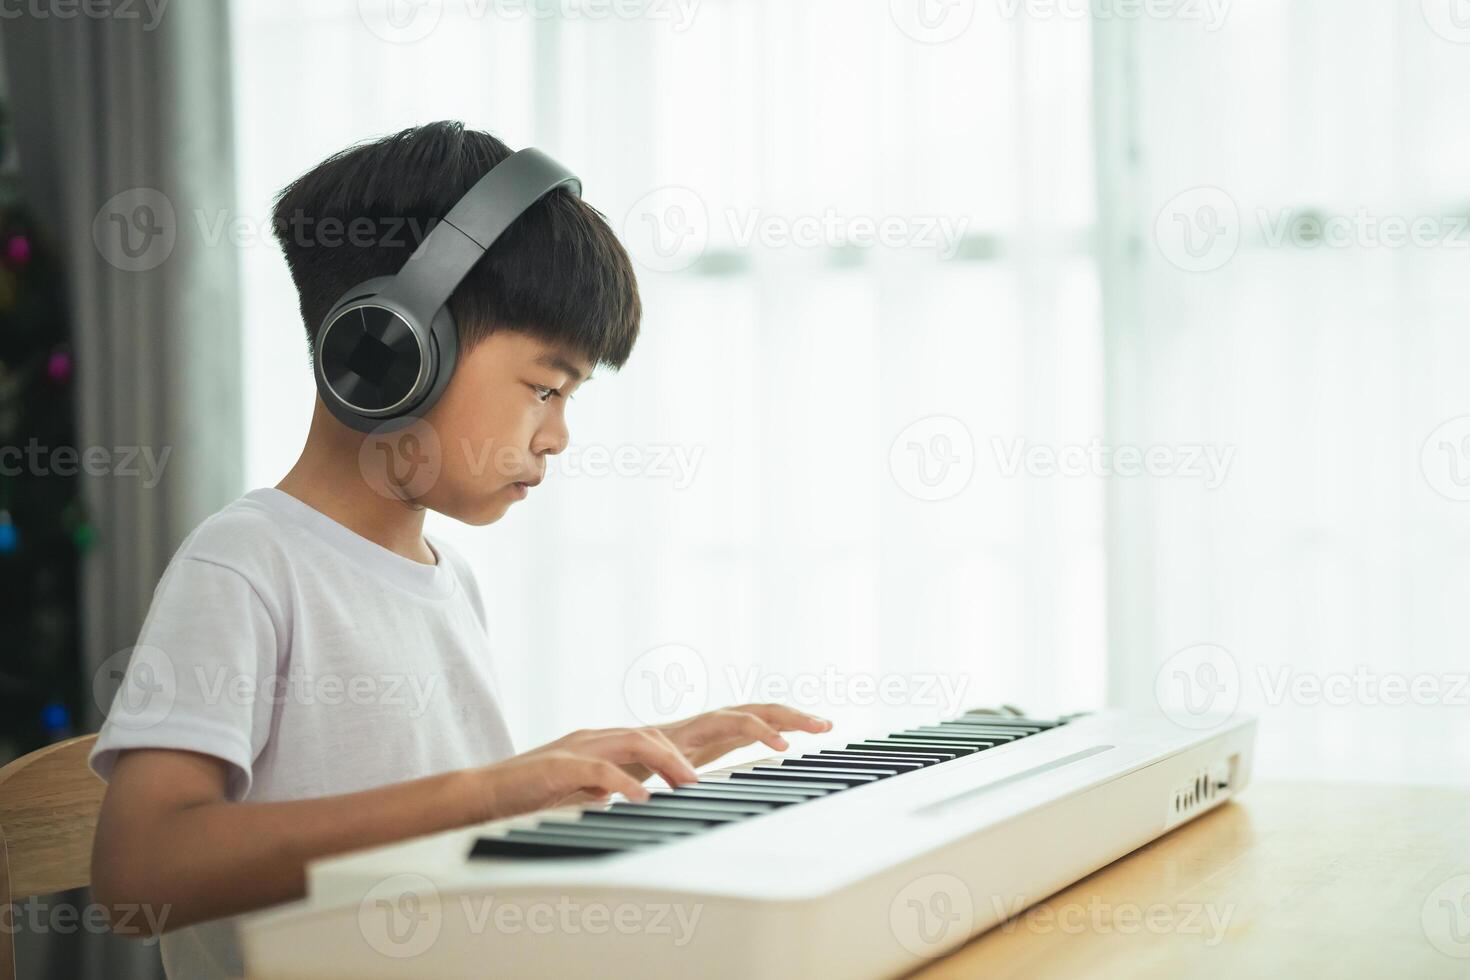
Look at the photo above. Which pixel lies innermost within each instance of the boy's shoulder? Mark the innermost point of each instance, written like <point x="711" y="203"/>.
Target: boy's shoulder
<point x="245" y="534"/>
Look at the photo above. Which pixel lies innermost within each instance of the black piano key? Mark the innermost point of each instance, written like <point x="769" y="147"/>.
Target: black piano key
<point x="732" y="803"/>
<point x="733" y="807"/>
<point x="878" y="755"/>
<point x="809" y="775"/>
<point x="603" y="832"/>
<point x="546" y="833"/>
<point x="885" y="762"/>
<point x="899" y="740"/>
<point x="947" y="729"/>
<point x="916" y="755"/>
<point x="669" y="812"/>
<point x="929" y="748"/>
<point x="772" y="779"/>
<point x="690" y="793"/>
<point x="862" y="765"/>
<point x="545" y="846"/>
<point x="1007" y="719"/>
<point x="787" y="765"/>
<point x="643" y="811"/>
<point x="801" y="770"/>
<point x="893" y="743"/>
<point x="1010" y="720"/>
<point x="725" y="786"/>
<point x="959" y="733"/>
<point x="942" y="740"/>
<point x="600" y="817"/>
<point x="991" y="737"/>
<point x="980" y="726"/>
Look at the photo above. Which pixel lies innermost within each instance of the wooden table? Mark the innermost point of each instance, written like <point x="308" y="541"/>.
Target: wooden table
<point x="1292" y="879"/>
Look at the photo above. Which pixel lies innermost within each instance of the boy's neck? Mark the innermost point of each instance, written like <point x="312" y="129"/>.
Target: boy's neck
<point x="327" y="477"/>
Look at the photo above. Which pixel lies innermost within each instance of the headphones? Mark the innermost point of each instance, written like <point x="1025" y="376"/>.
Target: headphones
<point x="387" y="347"/>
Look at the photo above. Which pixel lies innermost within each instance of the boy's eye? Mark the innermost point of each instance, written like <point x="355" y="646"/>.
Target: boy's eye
<point x="543" y="393"/>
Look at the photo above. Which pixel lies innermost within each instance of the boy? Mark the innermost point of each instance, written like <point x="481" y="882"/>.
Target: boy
<point x="262" y="722"/>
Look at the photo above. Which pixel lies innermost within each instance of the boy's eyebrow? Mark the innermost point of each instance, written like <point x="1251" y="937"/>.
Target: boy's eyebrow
<point x="558" y="363"/>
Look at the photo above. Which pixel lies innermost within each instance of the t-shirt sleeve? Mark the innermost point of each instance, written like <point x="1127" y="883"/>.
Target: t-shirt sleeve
<point x="200" y="676"/>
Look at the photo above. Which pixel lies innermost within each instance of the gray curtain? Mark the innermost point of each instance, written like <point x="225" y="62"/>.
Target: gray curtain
<point x="123" y="127"/>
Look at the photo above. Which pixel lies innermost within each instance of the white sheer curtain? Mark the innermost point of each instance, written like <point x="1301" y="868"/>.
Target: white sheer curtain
<point x="845" y="532"/>
<point x="1328" y="571"/>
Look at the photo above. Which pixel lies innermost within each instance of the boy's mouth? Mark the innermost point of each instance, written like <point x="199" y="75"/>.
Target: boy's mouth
<point x="520" y="489"/>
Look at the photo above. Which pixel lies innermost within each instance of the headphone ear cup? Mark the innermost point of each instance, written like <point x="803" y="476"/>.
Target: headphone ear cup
<point x="334" y="361"/>
<point x="361" y="291"/>
<point x="444" y="336"/>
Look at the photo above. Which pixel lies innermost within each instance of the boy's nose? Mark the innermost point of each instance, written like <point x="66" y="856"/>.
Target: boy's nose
<point x="550" y="441"/>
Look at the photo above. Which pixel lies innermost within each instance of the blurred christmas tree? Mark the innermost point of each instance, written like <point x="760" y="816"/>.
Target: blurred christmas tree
<point x="43" y="528"/>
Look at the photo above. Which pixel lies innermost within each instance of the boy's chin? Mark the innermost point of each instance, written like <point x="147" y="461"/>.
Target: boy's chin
<point x="474" y="506"/>
<point x="479" y="512"/>
<point x="485" y="514"/>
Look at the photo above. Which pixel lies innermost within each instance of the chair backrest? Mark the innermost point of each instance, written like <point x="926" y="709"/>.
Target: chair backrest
<point x="49" y="801"/>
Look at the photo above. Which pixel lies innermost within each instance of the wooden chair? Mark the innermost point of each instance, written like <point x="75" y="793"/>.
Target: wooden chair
<point x="49" y="801"/>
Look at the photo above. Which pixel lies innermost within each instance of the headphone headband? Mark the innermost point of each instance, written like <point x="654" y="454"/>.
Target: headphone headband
<point x="447" y="253"/>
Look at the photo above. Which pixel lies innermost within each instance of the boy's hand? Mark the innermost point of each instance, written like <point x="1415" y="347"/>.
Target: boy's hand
<point x="586" y="765"/>
<point x="704" y="738"/>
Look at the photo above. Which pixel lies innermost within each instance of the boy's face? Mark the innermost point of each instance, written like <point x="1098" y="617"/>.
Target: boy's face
<point x="502" y="414"/>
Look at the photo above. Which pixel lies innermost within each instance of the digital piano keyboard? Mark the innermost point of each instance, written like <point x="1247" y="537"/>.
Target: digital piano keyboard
<point x="853" y="857"/>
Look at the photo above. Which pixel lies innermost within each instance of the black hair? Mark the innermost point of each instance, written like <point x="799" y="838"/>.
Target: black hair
<point x="558" y="272"/>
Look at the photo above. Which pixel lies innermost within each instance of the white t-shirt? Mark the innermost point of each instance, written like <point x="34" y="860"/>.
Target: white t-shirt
<point x="311" y="660"/>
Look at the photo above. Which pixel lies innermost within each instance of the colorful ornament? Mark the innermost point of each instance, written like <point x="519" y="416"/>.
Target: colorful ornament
<point x="58" y="366"/>
<point x="84" y="537"/>
<point x="55" y="719"/>
<point x="9" y="534"/>
<point x="17" y="250"/>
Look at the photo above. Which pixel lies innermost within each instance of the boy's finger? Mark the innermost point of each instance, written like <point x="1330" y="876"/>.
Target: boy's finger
<point x="602" y="777"/>
<point x="685" y="768"/>
<point x="786" y="719"/>
<point x="655" y="751"/>
<point x="753" y="728"/>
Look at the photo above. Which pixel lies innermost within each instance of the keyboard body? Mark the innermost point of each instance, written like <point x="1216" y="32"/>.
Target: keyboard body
<point x="872" y="881"/>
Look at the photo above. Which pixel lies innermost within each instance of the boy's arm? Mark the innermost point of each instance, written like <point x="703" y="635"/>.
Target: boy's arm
<point x="172" y="846"/>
